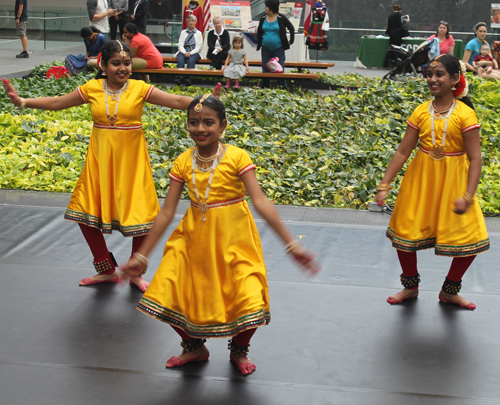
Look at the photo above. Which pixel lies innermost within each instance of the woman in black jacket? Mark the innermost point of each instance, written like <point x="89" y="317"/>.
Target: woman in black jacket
<point x="271" y="37"/>
<point x="219" y="43"/>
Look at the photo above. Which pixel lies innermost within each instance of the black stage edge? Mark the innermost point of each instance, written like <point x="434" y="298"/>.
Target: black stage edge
<point x="333" y="339"/>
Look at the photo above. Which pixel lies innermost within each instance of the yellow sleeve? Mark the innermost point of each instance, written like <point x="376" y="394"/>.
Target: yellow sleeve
<point x="83" y="92"/>
<point x="177" y="173"/>
<point x="415" y="119"/>
<point x="243" y="162"/>
<point x="469" y="121"/>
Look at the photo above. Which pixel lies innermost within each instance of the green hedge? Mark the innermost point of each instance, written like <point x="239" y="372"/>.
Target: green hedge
<point x="313" y="150"/>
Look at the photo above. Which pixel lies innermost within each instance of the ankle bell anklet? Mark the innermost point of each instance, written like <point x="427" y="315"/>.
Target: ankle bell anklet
<point x="410" y="281"/>
<point x="452" y="287"/>
<point x="102" y="266"/>
<point x="237" y="350"/>
<point x="192" y="345"/>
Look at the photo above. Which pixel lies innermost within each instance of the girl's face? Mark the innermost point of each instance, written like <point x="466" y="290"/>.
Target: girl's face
<point x="439" y="80"/>
<point x="481" y="33"/>
<point x="237" y="44"/>
<point x="442" y="29"/>
<point x="118" y="69"/>
<point x="205" y="127"/>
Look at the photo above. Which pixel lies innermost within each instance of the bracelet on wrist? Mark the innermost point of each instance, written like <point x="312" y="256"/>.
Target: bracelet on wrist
<point x="469" y="198"/>
<point x="292" y="245"/>
<point x="22" y="105"/>
<point x="384" y="187"/>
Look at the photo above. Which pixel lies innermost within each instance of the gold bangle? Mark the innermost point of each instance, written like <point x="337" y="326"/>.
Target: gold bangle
<point x="140" y="258"/>
<point x="292" y="245"/>
<point x="384" y="187"/>
<point x="22" y="105"/>
<point x="469" y="198"/>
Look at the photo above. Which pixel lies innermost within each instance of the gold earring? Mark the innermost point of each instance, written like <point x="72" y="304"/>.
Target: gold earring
<point x="221" y="135"/>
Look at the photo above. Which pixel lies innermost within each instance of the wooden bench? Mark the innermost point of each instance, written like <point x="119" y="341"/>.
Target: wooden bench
<point x="218" y="73"/>
<point x="288" y="64"/>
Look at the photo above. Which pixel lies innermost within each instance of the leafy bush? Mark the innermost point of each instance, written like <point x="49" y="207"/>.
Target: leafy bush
<point x="312" y="150"/>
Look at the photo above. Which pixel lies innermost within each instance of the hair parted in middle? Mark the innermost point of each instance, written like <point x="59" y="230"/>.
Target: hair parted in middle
<point x="211" y="102"/>
<point x="237" y="38"/>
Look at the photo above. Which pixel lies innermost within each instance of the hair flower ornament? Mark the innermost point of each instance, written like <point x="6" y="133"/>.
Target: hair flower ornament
<point x="461" y="87"/>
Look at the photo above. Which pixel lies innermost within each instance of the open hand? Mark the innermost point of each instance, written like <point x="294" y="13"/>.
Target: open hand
<point x="306" y="259"/>
<point x="11" y="92"/>
<point x="217" y="90"/>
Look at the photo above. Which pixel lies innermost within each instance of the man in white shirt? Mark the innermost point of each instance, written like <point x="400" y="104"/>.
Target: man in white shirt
<point x="99" y="14"/>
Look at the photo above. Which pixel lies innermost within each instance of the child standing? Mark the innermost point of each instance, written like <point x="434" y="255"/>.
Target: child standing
<point x="484" y="63"/>
<point x="212" y="280"/>
<point x="236" y="59"/>
<point x="436" y="207"/>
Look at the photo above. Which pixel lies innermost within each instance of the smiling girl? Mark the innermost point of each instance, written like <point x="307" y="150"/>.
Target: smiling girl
<point x="436" y="207"/>
<point x="212" y="281"/>
<point x="116" y="189"/>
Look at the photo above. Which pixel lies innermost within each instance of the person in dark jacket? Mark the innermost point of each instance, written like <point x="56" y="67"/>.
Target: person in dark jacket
<point x="271" y="37"/>
<point x="139" y="15"/>
<point x="219" y="43"/>
<point x="394" y="30"/>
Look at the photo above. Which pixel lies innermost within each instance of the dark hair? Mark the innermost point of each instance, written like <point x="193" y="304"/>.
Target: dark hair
<point x="272" y="5"/>
<point x="86" y="32"/>
<point x="107" y="51"/>
<point x="397" y="7"/>
<point x="447" y="28"/>
<point x="211" y="102"/>
<point x="479" y="25"/>
<point x="239" y="38"/>
<point x="132" y="28"/>
<point x="452" y="66"/>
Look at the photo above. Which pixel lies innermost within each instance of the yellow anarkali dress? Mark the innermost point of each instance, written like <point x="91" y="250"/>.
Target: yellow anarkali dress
<point x="116" y="188"/>
<point x="212" y="281"/>
<point x="423" y="216"/>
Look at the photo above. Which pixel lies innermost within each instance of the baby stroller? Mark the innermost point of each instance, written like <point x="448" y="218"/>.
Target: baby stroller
<point x="406" y="63"/>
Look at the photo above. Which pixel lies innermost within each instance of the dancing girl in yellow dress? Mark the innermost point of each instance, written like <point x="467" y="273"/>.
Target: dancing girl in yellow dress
<point x="212" y="280"/>
<point x="436" y="207"/>
<point x="116" y="189"/>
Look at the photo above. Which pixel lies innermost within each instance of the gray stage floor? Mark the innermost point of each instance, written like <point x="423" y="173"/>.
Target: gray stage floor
<point x="333" y="339"/>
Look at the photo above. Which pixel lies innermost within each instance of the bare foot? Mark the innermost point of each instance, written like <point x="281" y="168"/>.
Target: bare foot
<point x="404" y="294"/>
<point x="200" y="354"/>
<point x="455" y="299"/>
<point x="140" y="283"/>
<point x="243" y="363"/>
<point x="100" y="278"/>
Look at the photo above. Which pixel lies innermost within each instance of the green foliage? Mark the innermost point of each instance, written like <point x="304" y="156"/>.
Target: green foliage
<point x="313" y="150"/>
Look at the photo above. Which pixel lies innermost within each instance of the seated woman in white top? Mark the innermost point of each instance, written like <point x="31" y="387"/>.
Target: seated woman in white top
<point x="190" y="43"/>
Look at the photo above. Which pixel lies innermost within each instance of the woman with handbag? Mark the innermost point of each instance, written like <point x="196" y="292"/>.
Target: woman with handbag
<point x="271" y="37"/>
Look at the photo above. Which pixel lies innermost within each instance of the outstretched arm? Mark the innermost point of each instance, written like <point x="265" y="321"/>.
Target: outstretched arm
<point x="271" y="216"/>
<point x="43" y="103"/>
<point x="160" y="224"/>
<point x="398" y="160"/>
<point x="165" y="99"/>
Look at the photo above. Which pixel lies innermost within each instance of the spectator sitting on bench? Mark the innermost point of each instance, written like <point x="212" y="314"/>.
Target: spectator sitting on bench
<point x="190" y="43"/>
<point x="144" y="54"/>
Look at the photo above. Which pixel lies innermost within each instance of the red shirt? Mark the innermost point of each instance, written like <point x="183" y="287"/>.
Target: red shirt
<point x="146" y="50"/>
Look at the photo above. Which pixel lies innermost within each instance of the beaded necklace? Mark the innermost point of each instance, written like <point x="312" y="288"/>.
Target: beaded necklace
<point x="437" y="152"/>
<point x="203" y="206"/>
<point x="115" y="96"/>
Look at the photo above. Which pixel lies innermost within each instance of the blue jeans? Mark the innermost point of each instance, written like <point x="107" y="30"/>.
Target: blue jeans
<point x="191" y="62"/>
<point x="266" y="54"/>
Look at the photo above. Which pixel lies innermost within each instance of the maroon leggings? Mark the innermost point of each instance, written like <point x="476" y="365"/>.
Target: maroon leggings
<point x="241" y="339"/>
<point x="98" y="247"/>
<point x="459" y="265"/>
